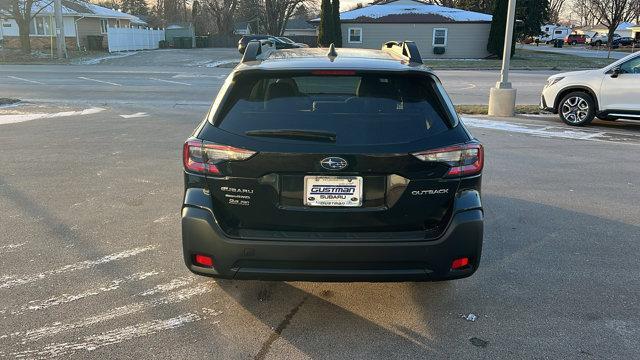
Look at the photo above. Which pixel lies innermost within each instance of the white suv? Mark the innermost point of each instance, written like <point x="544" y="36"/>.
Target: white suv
<point x="609" y="93"/>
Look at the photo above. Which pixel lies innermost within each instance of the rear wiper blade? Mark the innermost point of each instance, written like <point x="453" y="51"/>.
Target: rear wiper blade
<point x="314" y="135"/>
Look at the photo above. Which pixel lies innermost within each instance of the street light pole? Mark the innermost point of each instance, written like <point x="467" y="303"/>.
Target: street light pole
<point x="61" y="46"/>
<point x="502" y="98"/>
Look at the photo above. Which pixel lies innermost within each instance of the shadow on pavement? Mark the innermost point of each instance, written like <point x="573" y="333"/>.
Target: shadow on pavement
<point x="552" y="282"/>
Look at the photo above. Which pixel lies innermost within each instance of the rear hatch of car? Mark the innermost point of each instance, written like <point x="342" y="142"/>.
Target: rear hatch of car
<point x="331" y="154"/>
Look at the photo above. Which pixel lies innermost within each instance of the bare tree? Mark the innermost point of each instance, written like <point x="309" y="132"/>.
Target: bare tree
<point x="584" y="12"/>
<point x="635" y="11"/>
<point x="555" y="10"/>
<point x="277" y="13"/>
<point x="611" y="13"/>
<point x="222" y="12"/>
<point x="23" y="12"/>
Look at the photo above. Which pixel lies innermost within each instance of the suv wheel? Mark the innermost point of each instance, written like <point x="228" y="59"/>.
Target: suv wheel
<point x="577" y="109"/>
<point x="574" y="43"/>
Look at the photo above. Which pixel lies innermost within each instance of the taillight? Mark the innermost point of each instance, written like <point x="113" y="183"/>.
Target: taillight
<point x="463" y="160"/>
<point x="202" y="157"/>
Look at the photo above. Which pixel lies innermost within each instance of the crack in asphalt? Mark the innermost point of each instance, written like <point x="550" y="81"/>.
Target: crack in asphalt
<point x="266" y="346"/>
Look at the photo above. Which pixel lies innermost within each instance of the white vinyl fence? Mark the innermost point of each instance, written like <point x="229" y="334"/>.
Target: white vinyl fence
<point x="122" y="39"/>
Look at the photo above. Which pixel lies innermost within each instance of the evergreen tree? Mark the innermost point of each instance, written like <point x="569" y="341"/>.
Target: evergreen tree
<point x="533" y="14"/>
<point x="497" y="32"/>
<point x="337" y="29"/>
<point x="325" y="30"/>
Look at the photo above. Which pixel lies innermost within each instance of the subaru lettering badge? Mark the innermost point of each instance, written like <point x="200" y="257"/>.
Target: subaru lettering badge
<point x="334" y="163"/>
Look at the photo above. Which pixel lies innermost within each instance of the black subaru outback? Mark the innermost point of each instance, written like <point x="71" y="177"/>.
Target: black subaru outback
<point x="320" y="165"/>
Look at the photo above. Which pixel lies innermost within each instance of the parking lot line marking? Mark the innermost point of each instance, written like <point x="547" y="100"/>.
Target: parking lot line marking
<point x="170" y="81"/>
<point x="10" y="247"/>
<point x="130" y="309"/>
<point x="166" y="287"/>
<point x="96" y="341"/>
<point x="100" y="81"/>
<point x="36" y="305"/>
<point x="27" y="80"/>
<point x="88" y="264"/>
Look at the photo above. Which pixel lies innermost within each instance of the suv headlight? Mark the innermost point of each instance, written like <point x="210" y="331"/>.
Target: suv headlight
<point x="553" y="81"/>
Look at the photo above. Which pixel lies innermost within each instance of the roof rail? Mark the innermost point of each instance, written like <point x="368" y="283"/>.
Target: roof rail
<point x="256" y="48"/>
<point x="406" y="49"/>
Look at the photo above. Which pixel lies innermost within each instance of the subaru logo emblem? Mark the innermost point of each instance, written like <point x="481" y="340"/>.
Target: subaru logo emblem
<point x="334" y="163"/>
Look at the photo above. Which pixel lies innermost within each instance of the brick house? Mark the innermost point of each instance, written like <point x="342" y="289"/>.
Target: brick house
<point x="80" y="19"/>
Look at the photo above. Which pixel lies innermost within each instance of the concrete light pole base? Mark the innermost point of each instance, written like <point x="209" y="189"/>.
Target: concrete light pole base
<point x="502" y="102"/>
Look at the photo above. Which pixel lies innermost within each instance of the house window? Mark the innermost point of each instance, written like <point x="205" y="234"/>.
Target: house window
<point x="40" y="26"/>
<point x="104" y="25"/>
<point x="440" y="37"/>
<point x="117" y="23"/>
<point x="355" y="35"/>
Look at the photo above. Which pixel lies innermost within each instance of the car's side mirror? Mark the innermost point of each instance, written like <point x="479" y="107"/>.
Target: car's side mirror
<point x="615" y="72"/>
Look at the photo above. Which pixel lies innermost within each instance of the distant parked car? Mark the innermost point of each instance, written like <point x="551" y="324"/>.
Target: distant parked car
<point x="289" y="41"/>
<point x="609" y="93"/>
<point x="279" y="44"/>
<point x="600" y="39"/>
<point x="575" y="39"/>
<point x="623" y="41"/>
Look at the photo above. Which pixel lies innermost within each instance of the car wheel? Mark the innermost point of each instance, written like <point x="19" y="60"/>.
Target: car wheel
<point x="577" y="109"/>
<point x="574" y="43"/>
<point x="598" y="43"/>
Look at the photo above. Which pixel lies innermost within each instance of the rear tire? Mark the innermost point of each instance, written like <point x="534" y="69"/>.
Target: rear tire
<point x="574" y="43"/>
<point x="577" y="109"/>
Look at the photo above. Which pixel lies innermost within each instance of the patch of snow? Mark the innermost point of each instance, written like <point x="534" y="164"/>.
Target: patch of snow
<point x="221" y="62"/>
<point x="136" y="115"/>
<point x="536" y="130"/>
<point x="97" y="60"/>
<point x="471" y="317"/>
<point x="18" y="118"/>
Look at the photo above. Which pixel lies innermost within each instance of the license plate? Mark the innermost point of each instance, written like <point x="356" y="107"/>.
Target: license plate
<point x="338" y="191"/>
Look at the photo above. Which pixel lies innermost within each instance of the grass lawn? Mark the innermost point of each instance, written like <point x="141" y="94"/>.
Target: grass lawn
<point x="524" y="60"/>
<point x="483" y="109"/>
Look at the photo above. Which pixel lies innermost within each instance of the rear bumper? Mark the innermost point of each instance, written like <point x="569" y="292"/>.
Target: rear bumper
<point x="334" y="260"/>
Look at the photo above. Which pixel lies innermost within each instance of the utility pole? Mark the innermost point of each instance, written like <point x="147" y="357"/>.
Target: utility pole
<point x="61" y="46"/>
<point x="502" y="98"/>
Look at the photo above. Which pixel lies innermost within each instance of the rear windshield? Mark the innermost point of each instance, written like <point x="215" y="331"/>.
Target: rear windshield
<point x="357" y="108"/>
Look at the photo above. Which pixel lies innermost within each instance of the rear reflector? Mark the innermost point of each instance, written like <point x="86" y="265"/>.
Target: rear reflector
<point x="459" y="263"/>
<point x="464" y="160"/>
<point x="203" y="260"/>
<point x="204" y="158"/>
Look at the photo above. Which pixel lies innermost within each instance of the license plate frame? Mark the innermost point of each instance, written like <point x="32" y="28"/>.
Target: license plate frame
<point x="333" y="191"/>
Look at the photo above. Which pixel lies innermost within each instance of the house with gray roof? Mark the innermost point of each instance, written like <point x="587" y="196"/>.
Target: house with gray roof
<point x="80" y="20"/>
<point x="439" y="32"/>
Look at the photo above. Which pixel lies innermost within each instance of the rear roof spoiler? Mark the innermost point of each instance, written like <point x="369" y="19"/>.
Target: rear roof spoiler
<point x="257" y="50"/>
<point x="404" y="49"/>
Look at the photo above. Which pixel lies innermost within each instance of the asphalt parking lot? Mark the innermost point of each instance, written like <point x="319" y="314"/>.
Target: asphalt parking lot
<point x="91" y="260"/>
